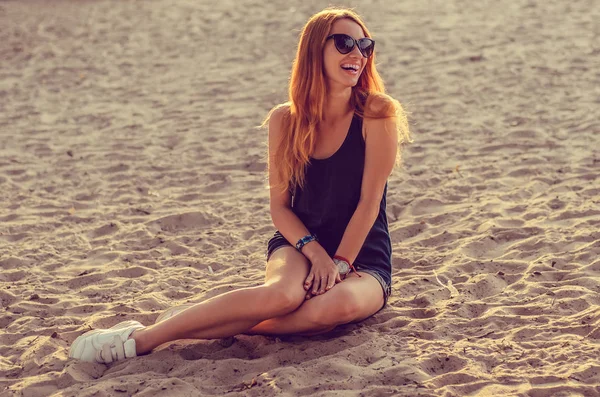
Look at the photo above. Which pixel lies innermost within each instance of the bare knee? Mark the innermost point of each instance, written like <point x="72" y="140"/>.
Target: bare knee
<point x="283" y="299"/>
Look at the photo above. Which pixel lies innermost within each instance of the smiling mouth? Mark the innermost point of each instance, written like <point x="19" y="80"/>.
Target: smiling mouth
<point x="352" y="69"/>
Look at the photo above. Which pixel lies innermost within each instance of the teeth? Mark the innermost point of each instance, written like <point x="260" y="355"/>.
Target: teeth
<point x="349" y="65"/>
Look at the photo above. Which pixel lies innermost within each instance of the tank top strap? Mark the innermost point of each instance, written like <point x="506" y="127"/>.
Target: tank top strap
<point x="355" y="132"/>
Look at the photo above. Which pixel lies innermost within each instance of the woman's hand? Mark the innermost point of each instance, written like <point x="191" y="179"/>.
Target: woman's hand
<point x="323" y="275"/>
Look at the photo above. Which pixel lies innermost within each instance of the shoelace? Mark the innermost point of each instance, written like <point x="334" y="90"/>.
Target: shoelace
<point x="111" y="351"/>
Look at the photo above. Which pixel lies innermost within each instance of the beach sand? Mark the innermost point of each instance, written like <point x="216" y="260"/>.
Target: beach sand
<point x="132" y="179"/>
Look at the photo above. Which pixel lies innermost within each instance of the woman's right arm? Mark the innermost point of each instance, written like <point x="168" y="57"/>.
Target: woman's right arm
<point x="289" y="225"/>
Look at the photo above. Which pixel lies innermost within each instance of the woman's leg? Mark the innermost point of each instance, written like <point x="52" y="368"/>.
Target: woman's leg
<point x="237" y="311"/>
<point x="354" y="299"/>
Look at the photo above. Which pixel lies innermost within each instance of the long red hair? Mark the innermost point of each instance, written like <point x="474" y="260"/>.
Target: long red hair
<point x="307" y="93"/>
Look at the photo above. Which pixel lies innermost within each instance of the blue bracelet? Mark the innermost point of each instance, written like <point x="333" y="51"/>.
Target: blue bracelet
<point x="305" y="240"/>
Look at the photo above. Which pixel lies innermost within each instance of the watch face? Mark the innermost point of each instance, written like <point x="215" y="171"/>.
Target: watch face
<point x="343" y="267"/>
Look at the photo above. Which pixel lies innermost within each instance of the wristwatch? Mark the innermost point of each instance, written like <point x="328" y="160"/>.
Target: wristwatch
<point x="343" y="266"/>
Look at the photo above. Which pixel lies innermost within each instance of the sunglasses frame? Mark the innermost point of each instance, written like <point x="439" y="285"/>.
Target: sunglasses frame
<point x="332" y="36"/>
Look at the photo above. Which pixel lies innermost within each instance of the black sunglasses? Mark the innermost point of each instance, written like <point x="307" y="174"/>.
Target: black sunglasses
<point x="344" y="44"/>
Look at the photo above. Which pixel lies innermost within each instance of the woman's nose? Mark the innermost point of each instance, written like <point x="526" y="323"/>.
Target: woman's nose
<point x="356" y="52"/>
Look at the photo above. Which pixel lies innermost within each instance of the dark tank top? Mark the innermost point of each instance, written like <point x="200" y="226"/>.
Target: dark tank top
<point x="330" y="197"/>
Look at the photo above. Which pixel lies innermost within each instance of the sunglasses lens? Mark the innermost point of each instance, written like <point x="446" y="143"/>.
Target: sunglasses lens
<point x="343" y="43"/>
<point x="366" y="46"/>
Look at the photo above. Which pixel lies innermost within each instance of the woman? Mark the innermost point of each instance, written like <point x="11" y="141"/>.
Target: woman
<point x="331" y="150"/>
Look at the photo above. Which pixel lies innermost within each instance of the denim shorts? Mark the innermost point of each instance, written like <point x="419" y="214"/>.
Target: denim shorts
<point x="383" y="277"/>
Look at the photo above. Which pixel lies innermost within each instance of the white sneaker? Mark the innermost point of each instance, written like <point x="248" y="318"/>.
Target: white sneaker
<point x="106" y="345"/>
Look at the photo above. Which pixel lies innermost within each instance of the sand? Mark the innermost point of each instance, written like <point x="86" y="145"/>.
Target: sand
<point x="132" y="179"/>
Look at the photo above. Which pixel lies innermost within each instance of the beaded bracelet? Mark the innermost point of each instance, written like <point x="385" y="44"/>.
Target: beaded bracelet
<point x="305" y="240"/>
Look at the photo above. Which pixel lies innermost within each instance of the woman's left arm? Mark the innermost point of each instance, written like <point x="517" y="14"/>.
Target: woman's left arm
<point x="381" y="141"/>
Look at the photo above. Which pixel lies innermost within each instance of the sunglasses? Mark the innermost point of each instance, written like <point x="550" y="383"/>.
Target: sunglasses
<point x="344" y="44"/>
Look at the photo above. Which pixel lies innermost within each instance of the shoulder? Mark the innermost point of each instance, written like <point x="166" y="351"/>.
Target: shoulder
<point x="380" y="105"/>
<point x="277" y="119"/>
<point x="383" y="129"/>
<point x="384" y="113"/>
<point x="380" y="116"/>
<point x="279" y="113"/>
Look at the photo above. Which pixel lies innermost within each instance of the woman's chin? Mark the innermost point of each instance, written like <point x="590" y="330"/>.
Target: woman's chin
<point x="343" y="82"/>
<point x="350" y="82"/>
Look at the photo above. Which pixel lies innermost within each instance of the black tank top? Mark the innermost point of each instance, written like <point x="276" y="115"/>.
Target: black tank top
<point x="330" y="197"/>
